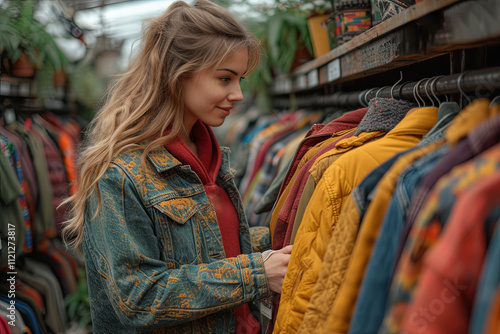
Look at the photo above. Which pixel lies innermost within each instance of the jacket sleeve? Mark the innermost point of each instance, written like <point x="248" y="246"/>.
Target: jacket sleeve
<point x="143" y="289"/>
<point x="306" y="259"/>
<point x="261" y="238"/>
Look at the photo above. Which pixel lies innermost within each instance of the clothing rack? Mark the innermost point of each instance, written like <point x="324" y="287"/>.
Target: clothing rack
<point x="482" y="83"/>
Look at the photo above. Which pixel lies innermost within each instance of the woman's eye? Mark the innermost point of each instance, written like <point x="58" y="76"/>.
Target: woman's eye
<point x="225" y="79"/>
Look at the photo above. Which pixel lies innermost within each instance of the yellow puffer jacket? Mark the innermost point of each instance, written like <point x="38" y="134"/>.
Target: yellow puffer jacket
<point x="323" y="210"/>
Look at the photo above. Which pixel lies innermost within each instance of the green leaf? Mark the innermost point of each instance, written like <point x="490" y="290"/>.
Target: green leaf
<point x="71" y="310"/>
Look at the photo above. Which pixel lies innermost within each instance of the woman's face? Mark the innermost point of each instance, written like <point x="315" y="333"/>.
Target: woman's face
<point x="210" y="94"/>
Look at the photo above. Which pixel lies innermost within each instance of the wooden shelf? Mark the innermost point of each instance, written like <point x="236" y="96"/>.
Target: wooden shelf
<point x="426" y="30"/>
<point x="16" y="86"/>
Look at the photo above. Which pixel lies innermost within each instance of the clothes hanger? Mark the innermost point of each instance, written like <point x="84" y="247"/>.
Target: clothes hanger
<point x="366" y="95"/>
<point x="462" y="93"/>
<point x="445" y="108"/>
<point x="416" y="93"/>
<point x="378" y="91"/>
<point x="427" y="92"/>
<point x="495" y="101"/>
<point x="394" y="86"/>
<point x="361" y="98"/>
<point x="433" y="87"/>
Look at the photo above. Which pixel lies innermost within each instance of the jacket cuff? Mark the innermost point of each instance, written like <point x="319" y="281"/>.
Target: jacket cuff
<point x="255" y="284"/>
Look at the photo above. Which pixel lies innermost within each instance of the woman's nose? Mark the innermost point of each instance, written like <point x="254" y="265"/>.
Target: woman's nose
<point x="236" y="93"/>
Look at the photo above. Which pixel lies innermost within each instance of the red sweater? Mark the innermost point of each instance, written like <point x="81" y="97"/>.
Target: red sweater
<point x="206" y="166"/>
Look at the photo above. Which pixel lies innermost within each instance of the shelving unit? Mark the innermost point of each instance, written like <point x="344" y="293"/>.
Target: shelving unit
<point x="428" y="32"/>
<point x="16" y="87"/>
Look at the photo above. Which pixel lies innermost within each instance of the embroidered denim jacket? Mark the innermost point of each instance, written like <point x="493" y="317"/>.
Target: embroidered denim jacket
<point x="154" y="255"/>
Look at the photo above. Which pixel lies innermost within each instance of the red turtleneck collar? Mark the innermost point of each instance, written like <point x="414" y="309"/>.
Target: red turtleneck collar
<point x="206" y="165"/>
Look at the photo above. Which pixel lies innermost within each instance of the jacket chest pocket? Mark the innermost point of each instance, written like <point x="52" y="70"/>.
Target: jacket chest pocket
<point x="180" y="230"/>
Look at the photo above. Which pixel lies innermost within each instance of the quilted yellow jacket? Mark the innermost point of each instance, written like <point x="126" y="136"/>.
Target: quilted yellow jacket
<point x="324" y="208"/>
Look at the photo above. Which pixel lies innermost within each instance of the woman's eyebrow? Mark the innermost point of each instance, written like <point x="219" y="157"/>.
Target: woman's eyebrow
<point x="227" y="69"/>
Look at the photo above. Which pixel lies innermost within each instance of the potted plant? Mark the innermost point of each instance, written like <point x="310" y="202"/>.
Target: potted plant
<point x="10" y="38"/>
<point x="24" y="38"/>
<point x="287" y="38"/>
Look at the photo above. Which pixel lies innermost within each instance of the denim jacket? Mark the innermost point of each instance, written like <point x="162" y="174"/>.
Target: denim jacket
<point x="154" y="255"/>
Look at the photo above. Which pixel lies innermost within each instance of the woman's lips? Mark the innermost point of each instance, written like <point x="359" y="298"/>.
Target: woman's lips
<point x="225" y="111"/>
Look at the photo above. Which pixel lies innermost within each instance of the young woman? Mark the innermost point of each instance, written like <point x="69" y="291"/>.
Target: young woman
<point x="157" y="213"/>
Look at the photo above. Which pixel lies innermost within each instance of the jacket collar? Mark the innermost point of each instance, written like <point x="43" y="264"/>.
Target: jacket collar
<point x="418" y="121"/>
<point x="383" y="114"/>
<point x="207" y="163"/>
<point x="163" y="160"/>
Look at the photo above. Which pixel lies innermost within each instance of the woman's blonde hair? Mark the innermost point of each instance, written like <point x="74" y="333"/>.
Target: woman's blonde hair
<point x="148" y="98"/>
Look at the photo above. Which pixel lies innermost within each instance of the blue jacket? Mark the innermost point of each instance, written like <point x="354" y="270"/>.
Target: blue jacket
<point x="154" y="255"/>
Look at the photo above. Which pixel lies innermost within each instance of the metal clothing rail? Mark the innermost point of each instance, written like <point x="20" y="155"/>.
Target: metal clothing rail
<point x="476" y="83"/>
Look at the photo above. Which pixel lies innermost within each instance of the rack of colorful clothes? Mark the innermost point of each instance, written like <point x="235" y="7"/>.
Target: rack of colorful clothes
<point x="269" y="141"/>
<point x="37" y="172"/>
<point x="392" y="209"/>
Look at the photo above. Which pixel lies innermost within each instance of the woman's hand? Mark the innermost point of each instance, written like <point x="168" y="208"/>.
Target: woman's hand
<point x="275" y="266"/>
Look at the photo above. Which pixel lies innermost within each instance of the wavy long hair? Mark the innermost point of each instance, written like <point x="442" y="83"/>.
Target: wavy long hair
<point x="148" y="98"/>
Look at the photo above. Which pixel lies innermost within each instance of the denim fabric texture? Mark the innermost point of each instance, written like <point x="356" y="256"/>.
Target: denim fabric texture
<point x="154" y="254"/>
<point x="446" y="113"/>
<point x="478" y="140"/>
<point x="361" y="194"/>
<point x="479" y="123"/>
<point x="260" y="238"/>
